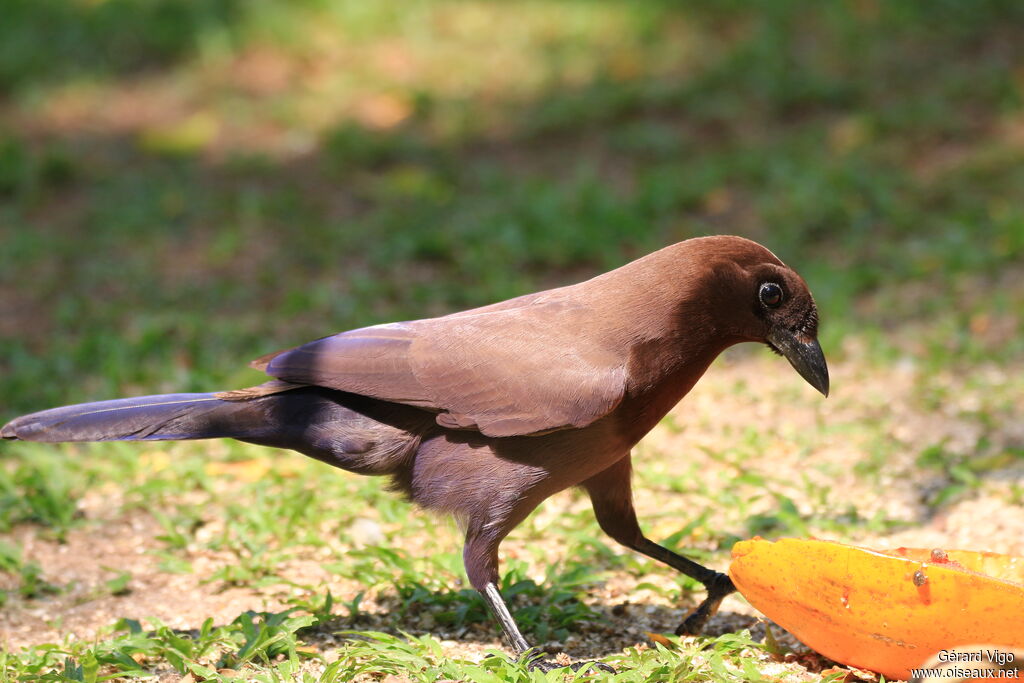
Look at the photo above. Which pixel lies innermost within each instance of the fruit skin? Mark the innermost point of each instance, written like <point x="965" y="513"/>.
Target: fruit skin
<point x="887" y="611"/>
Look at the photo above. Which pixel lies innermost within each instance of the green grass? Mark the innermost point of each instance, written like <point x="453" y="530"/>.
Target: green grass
<point x="268" y="647"/>
<point x="188" y="185"/>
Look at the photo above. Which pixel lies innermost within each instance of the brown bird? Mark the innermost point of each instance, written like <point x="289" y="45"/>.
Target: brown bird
<point x="485" y="413"/>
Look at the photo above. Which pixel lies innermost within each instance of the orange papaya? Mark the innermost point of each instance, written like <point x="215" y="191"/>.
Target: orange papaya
<point x="886" y="611"/>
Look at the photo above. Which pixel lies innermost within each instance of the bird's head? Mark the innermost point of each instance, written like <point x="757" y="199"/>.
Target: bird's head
<point x="768" y="302"/>
<point x="790" y="322"/>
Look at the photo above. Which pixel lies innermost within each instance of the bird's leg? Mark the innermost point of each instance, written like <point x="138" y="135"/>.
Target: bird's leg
<point x="612" y="498"/>
<point x="508" y="625"/>
<point x="480" y="557"/>
<point x="717" y="584"/>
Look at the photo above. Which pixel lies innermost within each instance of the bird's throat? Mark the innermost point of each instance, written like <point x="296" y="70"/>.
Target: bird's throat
<point x="659" y="381"/>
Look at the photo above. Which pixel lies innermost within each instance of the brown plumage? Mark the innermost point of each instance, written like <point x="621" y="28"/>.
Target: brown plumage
<point x="485" y="413"/>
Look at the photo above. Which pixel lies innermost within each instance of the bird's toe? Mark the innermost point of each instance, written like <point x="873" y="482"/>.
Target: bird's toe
<point x="718" y="587"/>
<point x="546" y="665"/>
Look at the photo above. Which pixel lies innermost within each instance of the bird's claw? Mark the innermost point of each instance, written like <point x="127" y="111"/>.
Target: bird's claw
<point x="539" y="663"/>
<point x="718" y="587"/>
<point x="694" y="622"/>
<point x="546" y="665"/>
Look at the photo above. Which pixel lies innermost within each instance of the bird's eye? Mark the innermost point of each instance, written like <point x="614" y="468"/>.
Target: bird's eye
<point x="770" y="295"/>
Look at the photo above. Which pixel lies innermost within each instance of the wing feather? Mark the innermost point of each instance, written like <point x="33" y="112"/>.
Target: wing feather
<point x="503" y="371"/>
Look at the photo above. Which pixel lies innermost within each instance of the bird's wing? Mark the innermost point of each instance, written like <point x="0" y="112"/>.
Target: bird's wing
<point x="505" y="372"/>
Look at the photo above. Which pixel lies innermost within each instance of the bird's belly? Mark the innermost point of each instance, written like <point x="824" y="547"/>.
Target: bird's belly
<point x="469" y="474"/>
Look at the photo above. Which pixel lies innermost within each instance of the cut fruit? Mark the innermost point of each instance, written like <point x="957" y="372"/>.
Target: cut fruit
<point x="887" y="611"/>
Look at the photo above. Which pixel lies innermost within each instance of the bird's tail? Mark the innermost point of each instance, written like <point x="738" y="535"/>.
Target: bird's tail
<point x="167" y="417"/>
<point x="355" y="433"/>
<point x="241" y="414"/>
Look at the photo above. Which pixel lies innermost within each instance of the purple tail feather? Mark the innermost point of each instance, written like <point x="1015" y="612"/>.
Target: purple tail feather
<point x="167" y="417"/>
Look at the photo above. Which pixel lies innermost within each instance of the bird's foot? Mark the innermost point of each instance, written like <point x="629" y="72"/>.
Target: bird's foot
<point x="545" y="665"/>
<point x="542" y="664"/>
<point x="718" y="587"/>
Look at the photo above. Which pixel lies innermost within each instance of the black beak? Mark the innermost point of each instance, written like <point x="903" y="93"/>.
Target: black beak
<point x="805" y="357"/>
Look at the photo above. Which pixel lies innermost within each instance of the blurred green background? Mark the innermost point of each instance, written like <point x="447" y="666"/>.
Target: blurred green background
<point x="186" y="184"/>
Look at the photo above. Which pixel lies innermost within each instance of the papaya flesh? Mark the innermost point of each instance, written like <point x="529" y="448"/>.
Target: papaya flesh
<point x="886" y="611"/>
